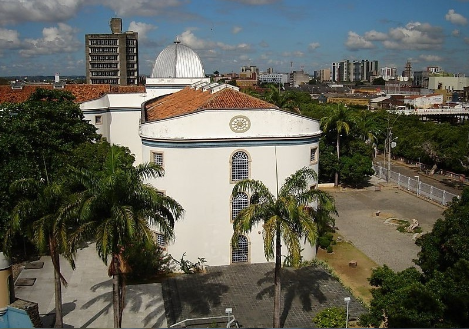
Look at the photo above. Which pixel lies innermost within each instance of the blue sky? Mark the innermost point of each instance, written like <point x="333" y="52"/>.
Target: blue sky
<point x="42" y="37"/>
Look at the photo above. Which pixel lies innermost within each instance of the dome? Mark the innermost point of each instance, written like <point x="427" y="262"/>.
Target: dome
<point x="178" y="61"/>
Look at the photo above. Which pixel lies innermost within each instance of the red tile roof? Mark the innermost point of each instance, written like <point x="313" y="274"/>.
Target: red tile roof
<point x="81" y="92"/>
<point x="190" y="100"/>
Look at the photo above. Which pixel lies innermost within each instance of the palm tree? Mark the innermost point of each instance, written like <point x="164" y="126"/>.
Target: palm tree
<point x="117" y="207"/>
<point x="339" y="120"/>
<point x="285" y="100"/>
<point x="288" y="217"/>
<point x="43" y="212"/>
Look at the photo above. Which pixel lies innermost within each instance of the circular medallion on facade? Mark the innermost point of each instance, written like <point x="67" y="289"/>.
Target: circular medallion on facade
<point x="240" y="124"/>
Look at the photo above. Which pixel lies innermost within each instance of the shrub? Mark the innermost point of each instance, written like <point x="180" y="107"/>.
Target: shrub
<point x="329" y="249"/>
<point x="333" y="317"/>
<point x="146" y="261"/>
<point x="325" y="241"/>
<point x="189" y="267"/>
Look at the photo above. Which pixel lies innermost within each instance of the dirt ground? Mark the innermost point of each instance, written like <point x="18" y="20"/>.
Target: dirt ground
<point x="355" y="278"/>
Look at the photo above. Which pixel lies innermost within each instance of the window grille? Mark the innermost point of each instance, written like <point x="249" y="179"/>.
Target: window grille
<point x="239" y="202"/>
<point x="314" y="154"/>
<point x="240" y="254"/>
<point x="239" y="166"/>
<point x="160" y="240"/>
<point x="158" y="158"/>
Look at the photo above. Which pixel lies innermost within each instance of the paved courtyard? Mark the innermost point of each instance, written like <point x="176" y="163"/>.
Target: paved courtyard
<point x="248" y="290"/>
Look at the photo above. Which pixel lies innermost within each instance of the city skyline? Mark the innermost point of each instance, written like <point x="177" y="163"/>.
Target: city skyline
<point x="44" y="37"/>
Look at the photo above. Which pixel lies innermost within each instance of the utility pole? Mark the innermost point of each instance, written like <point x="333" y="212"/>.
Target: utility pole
<point x="388" y="174"/>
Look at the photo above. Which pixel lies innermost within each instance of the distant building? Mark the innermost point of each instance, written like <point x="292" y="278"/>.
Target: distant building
<point x="421" y="79"/>
<point x="298" y="78"/>
<point x="249" y="72"/>
<point x="388" y="73"/>
<point x="277" y="78"/>
<point x="346" y="71"/>
<point x="448" y="83"/>
<point x="112" y="58"/>
<point x="325" y="75"/>
<point x="424" y="102"/>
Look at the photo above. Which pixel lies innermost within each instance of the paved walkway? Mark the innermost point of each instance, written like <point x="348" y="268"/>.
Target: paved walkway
<point x="248" y="290"/>
<point x="87" y="300"/>
<point x="358" y="222"/>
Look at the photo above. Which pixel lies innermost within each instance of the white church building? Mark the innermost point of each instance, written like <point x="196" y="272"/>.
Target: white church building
<point x="207" y="137"/>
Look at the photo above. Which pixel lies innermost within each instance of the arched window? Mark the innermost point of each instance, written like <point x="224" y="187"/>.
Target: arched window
<point x="239" y="166"/>
<point x="239" y="202"/>
<point x="240" y="254"/>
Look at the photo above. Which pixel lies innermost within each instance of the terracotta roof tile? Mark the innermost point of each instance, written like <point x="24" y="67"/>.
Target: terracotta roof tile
<point x="81" y="92"/>
<point x="190" y="100"/>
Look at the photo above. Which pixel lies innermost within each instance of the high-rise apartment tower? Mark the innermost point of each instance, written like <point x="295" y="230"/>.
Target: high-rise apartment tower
<point x="112" y="58"/>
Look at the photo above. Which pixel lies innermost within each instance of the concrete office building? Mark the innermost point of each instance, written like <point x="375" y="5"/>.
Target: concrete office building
<point x="112" y="58"/>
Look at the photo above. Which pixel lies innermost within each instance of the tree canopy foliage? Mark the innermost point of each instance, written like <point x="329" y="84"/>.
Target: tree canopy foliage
<point x="37" y="137"/>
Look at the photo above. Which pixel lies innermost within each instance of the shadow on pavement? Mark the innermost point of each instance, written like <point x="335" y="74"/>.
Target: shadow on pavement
<point x="193" y="293"/>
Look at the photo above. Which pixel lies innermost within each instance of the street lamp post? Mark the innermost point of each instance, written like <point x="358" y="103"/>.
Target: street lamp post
<point x="347" y="301"/>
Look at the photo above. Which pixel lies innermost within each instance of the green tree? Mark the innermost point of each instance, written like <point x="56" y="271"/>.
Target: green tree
<point x="379" y="81"/>
<point x="39" y="133"/>
<point x="43" y="212"/>
<point x="339" y="120"/>
<point x="283" y="99"/>
<point x="401" y="300"/>
<point x="287" y="216"/>
<point x="117" y="208"/>
<point x="447" y="243"/>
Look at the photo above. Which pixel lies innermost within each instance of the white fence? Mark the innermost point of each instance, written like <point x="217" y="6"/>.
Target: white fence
<point x="415" y="185"/>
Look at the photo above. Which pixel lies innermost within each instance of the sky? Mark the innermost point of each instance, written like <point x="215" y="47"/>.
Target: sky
<point x="44" y="37"/>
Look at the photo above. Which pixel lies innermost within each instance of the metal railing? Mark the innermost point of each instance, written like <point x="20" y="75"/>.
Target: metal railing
<point x="230" y="321"/>
<point x="415" y="185"/>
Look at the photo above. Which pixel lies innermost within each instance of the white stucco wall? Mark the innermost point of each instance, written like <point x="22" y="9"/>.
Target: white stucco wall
<point x="197" y="172"/>
<point x="121" y="114"/>
<point x="199" y="179"/>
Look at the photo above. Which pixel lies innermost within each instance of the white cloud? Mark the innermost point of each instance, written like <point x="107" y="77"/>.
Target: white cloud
<point x="431" y="58"/>
<point x="466" y="40"/>
<point x="142" y="29"/>
<point x="191" y="40"/>
<point x="236" y="29"/>
<point x="9" y="39"/>
<point x="455" y="33"/>
<point x="375" y="36"/>
<point x="415" y="35"/>
<point x="16" y="11"/>
<point x="355" y="42"/>
<point x="124" y="8"/>
<point x="313" y="45"/>
<point x="60" y="39"/>
<point x="455" y="18"/>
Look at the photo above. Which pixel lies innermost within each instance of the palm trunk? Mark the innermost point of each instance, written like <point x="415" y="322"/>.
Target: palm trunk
<point x="57" y="284"/>
<point x="121" y="296"/>
<point x="336" y="180"/>
<point x="277" y="281"/>
<point x="116" y="293"/>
